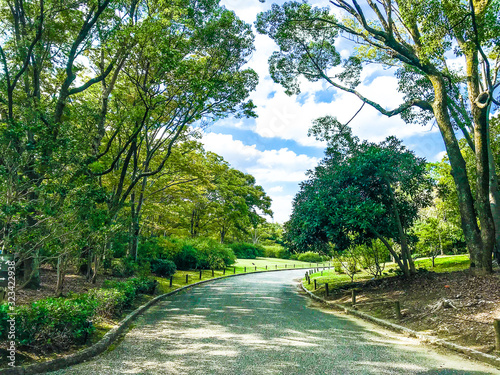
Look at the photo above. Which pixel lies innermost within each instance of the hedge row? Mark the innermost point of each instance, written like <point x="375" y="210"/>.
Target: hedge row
<point x="57" y="323"/>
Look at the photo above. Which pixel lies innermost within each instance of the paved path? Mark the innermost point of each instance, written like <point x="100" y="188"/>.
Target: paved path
<point x="259" y="324"/>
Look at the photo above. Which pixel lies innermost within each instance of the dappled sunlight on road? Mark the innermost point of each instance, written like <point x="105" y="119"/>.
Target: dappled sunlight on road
<point x="259" y="324"/>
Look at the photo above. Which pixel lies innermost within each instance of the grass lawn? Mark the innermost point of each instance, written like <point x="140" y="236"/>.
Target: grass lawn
<point x="446" y="263"/>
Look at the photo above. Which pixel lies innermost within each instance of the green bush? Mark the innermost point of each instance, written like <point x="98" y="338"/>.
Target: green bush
<point x="144" y="285"/>
<point x="4" y="308"/>
<point x="127" y="288"/>
<point x="310" y="256"/>
<point x="187" y="258"/>
<point x="247" y="250"/>
<point x="163" y="267"/>
<point x="55" y="323"/>
<point x="213" y="254"/>
<point x="124" y="267"/>
<point x="278" y="251"/>
<point x="110" y="302"/>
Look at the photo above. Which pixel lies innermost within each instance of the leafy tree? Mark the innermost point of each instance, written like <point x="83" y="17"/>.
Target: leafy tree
<point x="417" y="38"/>
<point x="370" y="191"/>
<point x="94" y="97"/>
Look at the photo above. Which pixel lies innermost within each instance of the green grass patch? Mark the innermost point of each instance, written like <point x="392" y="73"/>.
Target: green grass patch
<point x="446" y="263"/>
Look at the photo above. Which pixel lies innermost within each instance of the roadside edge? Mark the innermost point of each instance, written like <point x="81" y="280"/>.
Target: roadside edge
<point x="488" y="358"/>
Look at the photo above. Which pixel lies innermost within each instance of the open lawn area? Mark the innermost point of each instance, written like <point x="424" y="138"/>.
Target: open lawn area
<point x="273" y="264"/>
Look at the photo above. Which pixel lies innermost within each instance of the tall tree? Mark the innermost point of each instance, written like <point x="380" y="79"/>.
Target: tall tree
<point x="417" y="37"/>
<point x="370" y="191"/>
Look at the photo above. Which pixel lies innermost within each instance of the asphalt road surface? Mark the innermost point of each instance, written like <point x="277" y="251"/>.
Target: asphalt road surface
<point x="260" y="324"/>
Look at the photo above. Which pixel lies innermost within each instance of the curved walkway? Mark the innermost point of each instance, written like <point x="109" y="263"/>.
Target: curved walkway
<point x="259" y="324"/>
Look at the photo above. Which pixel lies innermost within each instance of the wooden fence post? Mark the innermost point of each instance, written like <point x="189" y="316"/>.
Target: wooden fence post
<point x="245" y="270"/>
<point x="266" y="267"/>
<point x="200" y="273"/>
<point x="309" y="280"/>
<point x="213" y="272"/>
<point x="326" y="289"/>
<point x="397" y="310"/>
<point x="276" y="266"/>
<point x="315" y="285"/>
<point x="224" y="271"/>
<point x="353" y="297"/>
<point x="187" y="279"/>
<point x="255" y="268"/>
<point x="171" y="279"/>
<point x="496" y="323"/>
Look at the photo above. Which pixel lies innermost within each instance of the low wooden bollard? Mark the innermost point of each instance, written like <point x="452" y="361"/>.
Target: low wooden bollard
<point x="187" y="279"/>
<point x="213" y="274"/>
<point x="308" y="280"/>
<point x="326" y="289"/>
<point x="294" y="265"/>
<point x="234" y="270"/>
<point x="245" y="269"/>
<point x="285" y="265"/>
<point x="224" y="271"/>
<point x="321" y="273"/>
<point x="266" y="267"/>
<point x="353" y="297"/>
<point x="200" y="273"/>
<point x="315" y="285"/>
<point x="276" y="266"/>
<point x="496" y="323"/>
<point x="171" y="280"/>
<point x="397" y="310"/>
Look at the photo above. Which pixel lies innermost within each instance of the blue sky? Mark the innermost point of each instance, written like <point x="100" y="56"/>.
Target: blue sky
<point x="275" y="147"/>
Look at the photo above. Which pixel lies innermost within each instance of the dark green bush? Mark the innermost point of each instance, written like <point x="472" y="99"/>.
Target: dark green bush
<point x="124" y="267"/>
<point x="213" y="254"/>
<point x="247" y="250"/>
<point x="4" y="308"/>
<point x="55" y="323"/>
<point x="126" y="287"/>
<point x="187" y="258"/>
<point x="144" y="285"/>
<point x="163" y="267"/>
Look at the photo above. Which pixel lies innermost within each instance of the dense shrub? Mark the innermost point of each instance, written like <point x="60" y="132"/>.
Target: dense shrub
<point x="213" y="254"/>
<point x="123" y="267"/>
<point x="163" y="267"/>
<point x="187" y="258"/>
<point x="247" y="250"/>
<point x="4" y="308"/>
<point x="55" y="323"/>
<point x="310" y="256"/>
<point x="115" y="296"/>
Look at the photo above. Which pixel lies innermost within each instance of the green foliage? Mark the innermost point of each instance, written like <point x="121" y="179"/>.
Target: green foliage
<point x="278" y="251"/>
<point x="360" y="192"/>
<point x="124" y="267"/>
<point x="214" y="255"/>
<point x="310" y="256"/>
<point x="247" y="250"/>
<point x="55" y="323"/>
<point x="4" y="309"/>
<point x="163" y="267"/>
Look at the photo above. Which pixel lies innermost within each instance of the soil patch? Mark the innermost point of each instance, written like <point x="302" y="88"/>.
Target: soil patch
<point x="455" y="306"/>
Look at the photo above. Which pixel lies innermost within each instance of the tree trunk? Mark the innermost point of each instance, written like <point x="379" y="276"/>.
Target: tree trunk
<point x="470" y="226"/>
<point x="61" y="273"/>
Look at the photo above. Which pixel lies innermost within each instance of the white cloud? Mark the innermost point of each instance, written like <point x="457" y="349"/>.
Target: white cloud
<point x="278" y="171"/>
<point x="276" y="189"/>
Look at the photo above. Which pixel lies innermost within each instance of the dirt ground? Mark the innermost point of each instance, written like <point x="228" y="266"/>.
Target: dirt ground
<point x="456" y="306"/>
<point x="48" y="279"/>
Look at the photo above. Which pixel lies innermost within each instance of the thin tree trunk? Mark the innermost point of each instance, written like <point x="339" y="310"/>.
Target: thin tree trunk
<point x="470" y="226"/>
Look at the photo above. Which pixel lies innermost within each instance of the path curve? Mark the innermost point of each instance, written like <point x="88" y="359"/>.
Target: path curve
<point x="260" y="324"/>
